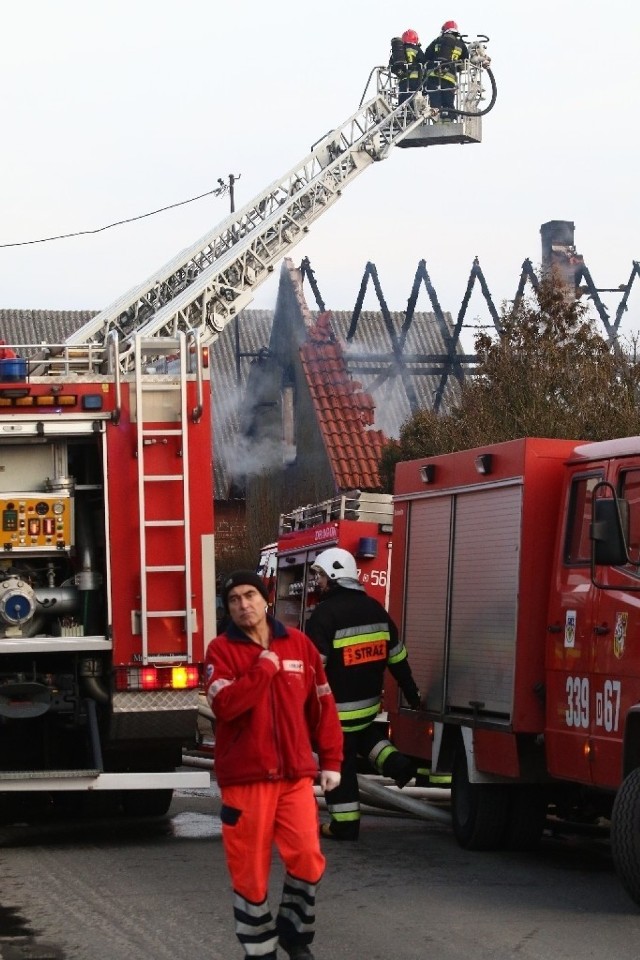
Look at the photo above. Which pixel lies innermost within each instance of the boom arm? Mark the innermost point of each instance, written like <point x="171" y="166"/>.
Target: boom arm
<point x="203" y="287"/>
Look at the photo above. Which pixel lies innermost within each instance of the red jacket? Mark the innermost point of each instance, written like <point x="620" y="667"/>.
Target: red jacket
<point x="268" y="721"/>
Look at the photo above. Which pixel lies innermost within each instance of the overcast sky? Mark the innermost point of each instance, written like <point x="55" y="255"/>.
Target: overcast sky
<point x="111" y="110"/>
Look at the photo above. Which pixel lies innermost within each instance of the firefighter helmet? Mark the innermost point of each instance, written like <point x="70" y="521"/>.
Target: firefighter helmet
<point x="336" y="564"/>
<point x="410" y="36"/>
<point x="450" y="26"/>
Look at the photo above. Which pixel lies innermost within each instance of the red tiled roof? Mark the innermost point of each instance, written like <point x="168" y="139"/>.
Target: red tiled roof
<point x="345" y="413"/>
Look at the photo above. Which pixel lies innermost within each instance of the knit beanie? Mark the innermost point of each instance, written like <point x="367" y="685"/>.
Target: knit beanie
<point x="240" y="578"/>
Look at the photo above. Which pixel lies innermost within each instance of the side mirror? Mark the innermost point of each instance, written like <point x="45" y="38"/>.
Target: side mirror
<point x="609" y="532"/>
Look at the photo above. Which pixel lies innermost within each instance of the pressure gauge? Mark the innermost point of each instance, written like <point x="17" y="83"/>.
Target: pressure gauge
<point x="58" y="507"/>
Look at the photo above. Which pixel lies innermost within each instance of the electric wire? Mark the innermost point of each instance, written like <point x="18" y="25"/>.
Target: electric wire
<point x="118" y="223"/>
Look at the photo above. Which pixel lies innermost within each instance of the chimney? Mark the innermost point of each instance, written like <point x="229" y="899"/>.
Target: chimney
<point x="559" y="257"/>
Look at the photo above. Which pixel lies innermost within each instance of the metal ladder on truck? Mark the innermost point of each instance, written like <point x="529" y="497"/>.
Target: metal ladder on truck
<point x="162" y="398"/>
<point x="208" y="283"/>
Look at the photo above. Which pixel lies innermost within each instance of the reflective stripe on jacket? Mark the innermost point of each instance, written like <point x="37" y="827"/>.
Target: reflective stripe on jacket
<point x="358" y="641"/>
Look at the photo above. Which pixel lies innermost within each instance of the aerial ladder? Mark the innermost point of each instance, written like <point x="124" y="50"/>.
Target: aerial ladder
<point x="207" y="284"/>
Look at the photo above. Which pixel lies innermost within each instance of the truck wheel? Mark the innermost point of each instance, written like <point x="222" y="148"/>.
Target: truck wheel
<point x="625" y="834"/>
<point x="479" y="810"/>
<point x="146" y="803"/>
<point x="526" y="816"/>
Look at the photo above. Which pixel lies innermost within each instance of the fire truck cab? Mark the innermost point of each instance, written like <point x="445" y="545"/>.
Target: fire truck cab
<point x="516" y="582"/>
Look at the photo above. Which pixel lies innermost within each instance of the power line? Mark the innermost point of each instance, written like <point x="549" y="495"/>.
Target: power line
<point x="217" y="192"/>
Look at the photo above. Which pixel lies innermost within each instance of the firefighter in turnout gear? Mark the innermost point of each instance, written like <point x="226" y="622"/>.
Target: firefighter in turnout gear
<point x="443" y="59"/>
<point x="357" y="641"/>
<point x="406" y="63"/>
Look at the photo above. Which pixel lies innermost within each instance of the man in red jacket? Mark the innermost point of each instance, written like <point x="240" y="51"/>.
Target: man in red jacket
<point x="273" y="708"/>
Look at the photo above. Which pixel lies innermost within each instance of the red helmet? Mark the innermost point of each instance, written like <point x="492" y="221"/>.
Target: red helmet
<point x="450" y="27"/>
<point x="410" y="36"/>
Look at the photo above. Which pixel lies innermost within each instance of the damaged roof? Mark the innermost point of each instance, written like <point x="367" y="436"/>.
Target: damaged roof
<point x="344" y="411"/>
<point x="247" y="334"/>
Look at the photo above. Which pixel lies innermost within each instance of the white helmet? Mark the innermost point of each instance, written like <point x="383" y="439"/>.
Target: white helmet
<point x="337" y="564"/>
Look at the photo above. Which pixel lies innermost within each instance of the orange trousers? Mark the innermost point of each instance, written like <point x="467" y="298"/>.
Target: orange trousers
<point x="255" y="816"/>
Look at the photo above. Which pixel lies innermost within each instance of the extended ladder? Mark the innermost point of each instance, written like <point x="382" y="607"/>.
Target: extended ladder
<point x="209" y="282"/>
<point x="163" y="497"/>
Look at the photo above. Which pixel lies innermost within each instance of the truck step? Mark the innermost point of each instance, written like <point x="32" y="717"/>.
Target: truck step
<point x="47" y="774"/>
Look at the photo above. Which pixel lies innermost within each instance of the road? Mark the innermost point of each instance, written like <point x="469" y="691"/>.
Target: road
<point x="105" y="889"/>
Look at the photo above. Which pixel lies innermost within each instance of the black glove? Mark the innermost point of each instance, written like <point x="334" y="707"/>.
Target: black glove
<point x="415" y="700"/>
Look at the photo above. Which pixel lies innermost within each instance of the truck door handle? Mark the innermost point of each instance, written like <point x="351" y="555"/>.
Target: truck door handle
<point x="602" y="629"/>
<point x="554" y="628"/>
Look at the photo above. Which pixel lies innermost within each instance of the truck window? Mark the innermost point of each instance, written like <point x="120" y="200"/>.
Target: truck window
<point x="630" y="491"/>
<point x="577" y="541"/>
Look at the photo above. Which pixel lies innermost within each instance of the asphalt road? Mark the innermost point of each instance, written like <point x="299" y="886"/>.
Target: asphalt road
<point x="106" y="889"/>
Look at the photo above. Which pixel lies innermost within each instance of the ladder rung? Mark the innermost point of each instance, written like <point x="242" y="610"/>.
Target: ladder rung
<point x="161" y="433"/>
<point x="164" y="523"/>
<point x="166" y="613"/>
<point x="159" y="387"/>
<point x="155" y="478"/>
<point x="177" y="568"/>
<point x="158" y="344"/>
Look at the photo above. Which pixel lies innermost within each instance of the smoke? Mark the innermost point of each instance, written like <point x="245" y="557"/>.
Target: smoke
<point x="245" y="453"/>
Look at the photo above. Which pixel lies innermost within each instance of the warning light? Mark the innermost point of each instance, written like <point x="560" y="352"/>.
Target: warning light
<point x="186" y="677"/>
<point x="149" y="679"/>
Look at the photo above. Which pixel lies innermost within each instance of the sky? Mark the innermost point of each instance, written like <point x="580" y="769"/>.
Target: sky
<point x="112" y="110"/>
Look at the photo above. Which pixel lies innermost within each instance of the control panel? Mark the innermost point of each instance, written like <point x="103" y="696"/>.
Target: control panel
<point x="36" y="522"/>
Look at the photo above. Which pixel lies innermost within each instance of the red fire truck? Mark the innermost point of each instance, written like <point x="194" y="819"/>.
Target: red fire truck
<point x="358" y="522"/>
<point x="516" y="581"/>
<point x="106" y="569"/>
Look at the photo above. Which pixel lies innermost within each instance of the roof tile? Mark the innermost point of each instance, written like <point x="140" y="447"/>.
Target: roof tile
<point x="344" y="410"/>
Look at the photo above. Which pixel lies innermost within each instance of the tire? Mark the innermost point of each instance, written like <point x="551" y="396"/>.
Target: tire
<point x="526" y="816"/>
<point x="146" y="803"/>
<point x="479" y="811"/>
<point x="625" y="834"/>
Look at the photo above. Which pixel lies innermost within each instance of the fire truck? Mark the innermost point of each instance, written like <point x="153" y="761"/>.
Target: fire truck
<point x="516" y="582"/>
<point x="106" y="503"/>
<point x="358" y="522"/>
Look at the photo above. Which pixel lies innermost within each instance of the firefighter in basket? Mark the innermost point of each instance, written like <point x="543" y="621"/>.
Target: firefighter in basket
<point x="406" y="63"/>
<point x="444" y="58"/>
<point x="357" y="641"/>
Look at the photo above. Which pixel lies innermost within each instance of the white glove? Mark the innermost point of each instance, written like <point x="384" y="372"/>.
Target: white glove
<point x="329" y="780"/>
<point x="270" y="655"/>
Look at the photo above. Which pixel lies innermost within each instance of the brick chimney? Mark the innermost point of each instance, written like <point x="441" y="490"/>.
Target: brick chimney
<point x="559" y="257"/>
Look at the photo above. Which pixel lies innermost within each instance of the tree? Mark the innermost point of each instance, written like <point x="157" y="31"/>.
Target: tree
<point x="549" y="374"/>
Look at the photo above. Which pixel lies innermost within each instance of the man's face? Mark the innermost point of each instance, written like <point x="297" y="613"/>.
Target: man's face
<point x="247" y="606"/>
<point x="323" y="581"/>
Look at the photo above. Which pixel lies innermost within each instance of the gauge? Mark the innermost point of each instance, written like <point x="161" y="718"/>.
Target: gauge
<point x="41" y="508"/>
<point x="58" y="507"/>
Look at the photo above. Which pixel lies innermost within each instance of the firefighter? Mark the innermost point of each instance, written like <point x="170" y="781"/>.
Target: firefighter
<point x="443" y="60"/>
<point x="357" y="640"/>
<point x="406" y="63"/>
<point x="273" y="706"/>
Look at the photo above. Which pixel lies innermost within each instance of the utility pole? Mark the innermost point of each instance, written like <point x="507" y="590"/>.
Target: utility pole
<point x="228" y="187"/>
